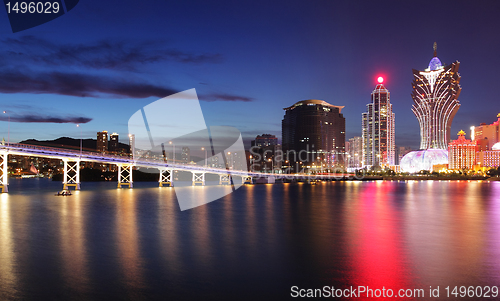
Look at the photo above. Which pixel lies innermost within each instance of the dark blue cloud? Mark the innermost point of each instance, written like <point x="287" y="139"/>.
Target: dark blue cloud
<point x="103" y="54"/>
<point x="34" y="118"/>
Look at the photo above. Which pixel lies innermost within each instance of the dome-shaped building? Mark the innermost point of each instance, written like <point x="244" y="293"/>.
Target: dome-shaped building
<point x="423" y="160"/>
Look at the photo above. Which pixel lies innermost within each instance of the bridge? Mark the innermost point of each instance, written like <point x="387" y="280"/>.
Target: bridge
<point x="72" y="159"/>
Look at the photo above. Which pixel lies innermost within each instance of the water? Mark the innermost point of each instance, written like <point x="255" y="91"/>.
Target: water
<point x="104" y="243"/>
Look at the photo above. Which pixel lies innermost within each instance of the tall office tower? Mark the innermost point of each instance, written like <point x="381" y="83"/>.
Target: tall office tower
<point x="102" y="141"/>
<point x="486" y="135"/>
<point x="113" y="142"/>
<point x="462" y="152"/>
<point x="185" y="155"/>
<point x="354" y="150"/>
<point x="378" y="129"/>
<point x="435" y="93"/>
<point x="313" y="134"/>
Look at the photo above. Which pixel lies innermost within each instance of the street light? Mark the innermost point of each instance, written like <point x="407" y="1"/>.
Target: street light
<point x="205" y="156"/>
<point x="231" y="161"/>
<point x="173" y="152"/>
<point x="78" y="126"/>
<point x="8" y="132"/>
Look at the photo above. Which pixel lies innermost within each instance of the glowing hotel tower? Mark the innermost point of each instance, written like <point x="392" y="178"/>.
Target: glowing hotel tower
<point x="378" y="128"/>
<point x="435" y="93"/>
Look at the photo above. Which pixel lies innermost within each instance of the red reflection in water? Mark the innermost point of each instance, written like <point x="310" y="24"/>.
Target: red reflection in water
<point x="377" y="260"/>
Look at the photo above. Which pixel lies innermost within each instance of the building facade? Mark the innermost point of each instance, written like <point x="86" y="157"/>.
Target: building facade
<point x="113" y="142"/>
<point x="264" y="140"/>
<point x="435" y="93"/>
<point x="490" y="158"/>
<point x="378" y="129"/>
<point x="266" y="154"/>
<point x="486" y="135"/>
<point x="131" y="143"/>
<point x="102" y="141"/>
<point x="313" y="135"/>
<point x="354" y="150"/>
<point x="462" y="153"/>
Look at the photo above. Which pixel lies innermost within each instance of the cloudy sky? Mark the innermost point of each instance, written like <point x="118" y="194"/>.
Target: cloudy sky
<point x="104" y="60"/>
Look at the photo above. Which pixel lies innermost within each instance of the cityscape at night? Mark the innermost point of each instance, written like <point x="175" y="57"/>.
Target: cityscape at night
<point x="189" y="150"/>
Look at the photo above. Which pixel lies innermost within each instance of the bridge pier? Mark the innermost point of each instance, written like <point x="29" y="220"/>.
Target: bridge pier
<point x="125" y="175"/>
<point x="4" y="170"/>
<point x="166" y="176"/>
<point x="71" y="174"/>
<point x="224" y="179"/>
<point x="246" y="180"/>
<point x="198" y="178"/>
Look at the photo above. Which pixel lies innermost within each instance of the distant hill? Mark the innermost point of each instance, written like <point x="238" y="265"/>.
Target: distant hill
<point x="71" y="143"/>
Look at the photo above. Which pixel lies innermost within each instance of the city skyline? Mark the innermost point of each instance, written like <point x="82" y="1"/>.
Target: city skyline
<point x="270" y="57"/>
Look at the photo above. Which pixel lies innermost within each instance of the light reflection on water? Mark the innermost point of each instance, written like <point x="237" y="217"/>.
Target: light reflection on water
<point x="105" y="243"/>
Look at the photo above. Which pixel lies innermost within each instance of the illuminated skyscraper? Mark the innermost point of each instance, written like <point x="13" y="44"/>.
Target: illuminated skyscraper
<point x="435" y="93"/>
<point x="378" y="129"/>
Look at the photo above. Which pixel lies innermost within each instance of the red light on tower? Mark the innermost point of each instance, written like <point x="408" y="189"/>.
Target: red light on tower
<point x="380" y="79"/>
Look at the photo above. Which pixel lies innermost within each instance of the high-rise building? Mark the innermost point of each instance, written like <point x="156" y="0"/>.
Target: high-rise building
<point x="435" y="93"/>
<point x="185" y="155"/>
<point x="354" y="150"/>
<point x="264" y="140"/>
<point x="113" y="142"/>
<point x="266" y="154"/>
<point x="486" y="135"/>
<point x="462" y="153"/>
<point x="378" y="129"/>
<point x="313" y="135"/>
<point x="131" y="143"/>
<point x="102" y="141"/>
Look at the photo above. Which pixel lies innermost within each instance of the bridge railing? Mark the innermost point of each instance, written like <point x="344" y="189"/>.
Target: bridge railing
<point x="75" y="152"/>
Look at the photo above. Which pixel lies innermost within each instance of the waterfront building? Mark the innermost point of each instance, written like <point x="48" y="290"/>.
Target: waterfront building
<point x="102" y="141"/>
<point x="462" y="153"/>
<point x="490" y="158"/>
<point x="435" y="95"/>
<point x="313" y="134"/>
<point x="113" y="142"/>
<point x="378" y="129"/>
<point x="354" y="150"/>
<point x="264" y="140"/>
<point x="266" y="155"/>
<point x="486" y="135"/>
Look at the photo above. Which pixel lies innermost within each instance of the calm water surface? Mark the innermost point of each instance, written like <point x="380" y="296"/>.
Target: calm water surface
<point x="105" y="243"/>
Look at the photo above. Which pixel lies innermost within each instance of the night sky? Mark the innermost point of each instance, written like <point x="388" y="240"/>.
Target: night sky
<point x="104" y="60"/>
